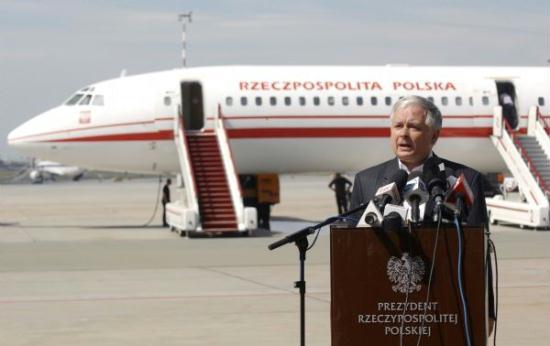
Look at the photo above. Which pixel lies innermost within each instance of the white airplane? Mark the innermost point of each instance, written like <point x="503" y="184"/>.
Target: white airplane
<point x="43" y="170"/>
<point x="39" y="171"/>
<point x="278" y="119"/>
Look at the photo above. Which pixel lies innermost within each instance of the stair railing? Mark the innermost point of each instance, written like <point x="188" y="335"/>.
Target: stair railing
<point x="525" y="156"/>
<point x="540" y="130"/>
<point x="544" y="121"/>
<point x="230" y="168"/>
<point x="185" y="166"/>
<point x="502" y="138"/>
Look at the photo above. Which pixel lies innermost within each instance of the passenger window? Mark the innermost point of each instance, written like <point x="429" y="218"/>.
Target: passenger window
<point x="330" y="100"/>
<point x="258" y="101"/>
<point x="244" y="100"/>
<point x="458" y="101"/>
<point x="273" y="101"/>
<point x="302" y="101"/>
<point x="471" y="100"/>
<point x="73" y="100"/>
<point x="387" y="100"/>
<point x="316" y="101"/>
<point x="541" y="101"/>
<point x="359" y="100"/>
<point x="345" y="100"/>
<point x="444" y="100"/>
<point x="373" y="101"/>
<point x="85" y="101"/>
<point x="99" y="100"/>
<point x="228" y="101"/>
<point x="485" y="100"/>
<point x="288" y="101"/>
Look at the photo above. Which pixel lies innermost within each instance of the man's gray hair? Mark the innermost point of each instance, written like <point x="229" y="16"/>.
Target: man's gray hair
<point x="433" y="115"/>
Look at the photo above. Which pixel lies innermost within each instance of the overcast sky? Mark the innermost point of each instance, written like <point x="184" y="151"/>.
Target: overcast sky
<point x="48" y="49"/>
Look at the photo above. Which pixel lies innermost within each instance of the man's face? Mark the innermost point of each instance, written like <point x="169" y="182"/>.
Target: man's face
<point x="411" y="139"/>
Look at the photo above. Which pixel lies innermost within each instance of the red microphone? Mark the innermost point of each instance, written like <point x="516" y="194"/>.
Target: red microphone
<point x="459" y="194"/>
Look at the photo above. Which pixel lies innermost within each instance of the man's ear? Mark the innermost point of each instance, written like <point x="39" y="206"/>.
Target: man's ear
<point x="435" y="137"/>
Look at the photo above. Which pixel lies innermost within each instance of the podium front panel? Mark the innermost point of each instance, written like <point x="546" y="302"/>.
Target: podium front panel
<point x="380" y="280"/>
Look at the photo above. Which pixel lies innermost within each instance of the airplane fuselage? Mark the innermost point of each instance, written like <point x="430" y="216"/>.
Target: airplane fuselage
<point x="279" y="119"/>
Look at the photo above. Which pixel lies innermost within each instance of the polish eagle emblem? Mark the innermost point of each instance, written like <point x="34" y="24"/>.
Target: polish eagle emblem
<point x="405" y="273"/>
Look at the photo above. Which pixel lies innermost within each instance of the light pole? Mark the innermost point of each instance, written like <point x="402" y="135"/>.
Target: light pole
<point x="184" y="17"/>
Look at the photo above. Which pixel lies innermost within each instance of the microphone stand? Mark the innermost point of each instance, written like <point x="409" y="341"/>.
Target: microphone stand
<point x="300" y="240"/>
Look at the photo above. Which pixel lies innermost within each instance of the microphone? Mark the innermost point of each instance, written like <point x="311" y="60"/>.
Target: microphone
<point x="371" y="217"/>
<point x="434" y="174"/>
<point x="415" y="193"/>
<point x="392" y="222"/>
<point x="391" y="193"/>
<point x="460" y="197"/>
<point x="392" y="209"/>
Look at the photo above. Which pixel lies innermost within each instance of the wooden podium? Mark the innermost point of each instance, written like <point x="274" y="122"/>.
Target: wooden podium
<point x="379" y="283"/>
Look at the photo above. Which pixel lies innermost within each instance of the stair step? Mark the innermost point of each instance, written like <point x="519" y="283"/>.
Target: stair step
<point x="208" y="218"/>
<point x="210" y="177"/>
<point x="214" y="189"/>
<point x="218" y="200"/>
<point x="198" y="145"/>
<point x="211" y="184"/>
<point x="214" y="197"/>
<point x="221" y="207"/>
<point x="220" y="230"/>
<point x="208" y="193"/>
<point x="223" y="210"/>
<point x="219" y="226"/>
<point x="201" y="174"/>
<point x="208" y="164"/>
<point x="205" y="155"/>
<point x="207" y="168"/>
<point x="205" y="140"/>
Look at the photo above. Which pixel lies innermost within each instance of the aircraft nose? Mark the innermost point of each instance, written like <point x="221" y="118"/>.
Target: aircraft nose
<point x="15" y="137"/>
<point x="29" y="132"/>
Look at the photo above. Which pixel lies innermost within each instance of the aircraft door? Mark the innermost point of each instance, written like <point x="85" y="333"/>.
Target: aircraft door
<point x="507" y="100"/>
<point x="192" y="105"/>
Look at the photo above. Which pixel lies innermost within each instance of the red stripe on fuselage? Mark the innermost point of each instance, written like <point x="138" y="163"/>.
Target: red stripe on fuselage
<point x="123" y="137"/>
<point x="344" y="132"/>
<point x="251" y="133"/>
<point x="84" y="128"/>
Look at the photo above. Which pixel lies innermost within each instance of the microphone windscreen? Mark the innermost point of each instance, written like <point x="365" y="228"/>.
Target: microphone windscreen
<point x="400" y="179"/>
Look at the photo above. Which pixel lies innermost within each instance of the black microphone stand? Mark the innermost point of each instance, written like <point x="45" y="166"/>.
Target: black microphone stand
<point x="300" y="239"/>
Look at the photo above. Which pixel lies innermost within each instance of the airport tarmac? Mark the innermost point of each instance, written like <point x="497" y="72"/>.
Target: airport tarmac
<point x="78" y="268"/>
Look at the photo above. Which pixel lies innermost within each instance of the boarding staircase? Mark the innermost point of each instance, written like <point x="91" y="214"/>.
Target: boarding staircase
<point x="527" y="156"/>
<point x="213" y="191"/>
<point x="212" y="202"/>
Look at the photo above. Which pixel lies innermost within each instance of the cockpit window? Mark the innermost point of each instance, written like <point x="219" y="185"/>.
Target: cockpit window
<point x="85" y="100"/>
<point x="98" y="100"/>
<point x="73" y="100"/>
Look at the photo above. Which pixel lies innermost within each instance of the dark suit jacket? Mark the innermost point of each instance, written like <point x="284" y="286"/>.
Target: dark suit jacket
<point x="369" y="180"/>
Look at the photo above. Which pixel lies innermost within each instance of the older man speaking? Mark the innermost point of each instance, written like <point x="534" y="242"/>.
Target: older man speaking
<point x="415" y="127"/>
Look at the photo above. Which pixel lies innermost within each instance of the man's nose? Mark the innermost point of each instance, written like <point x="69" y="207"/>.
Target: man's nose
<point x="404" y="131"/>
